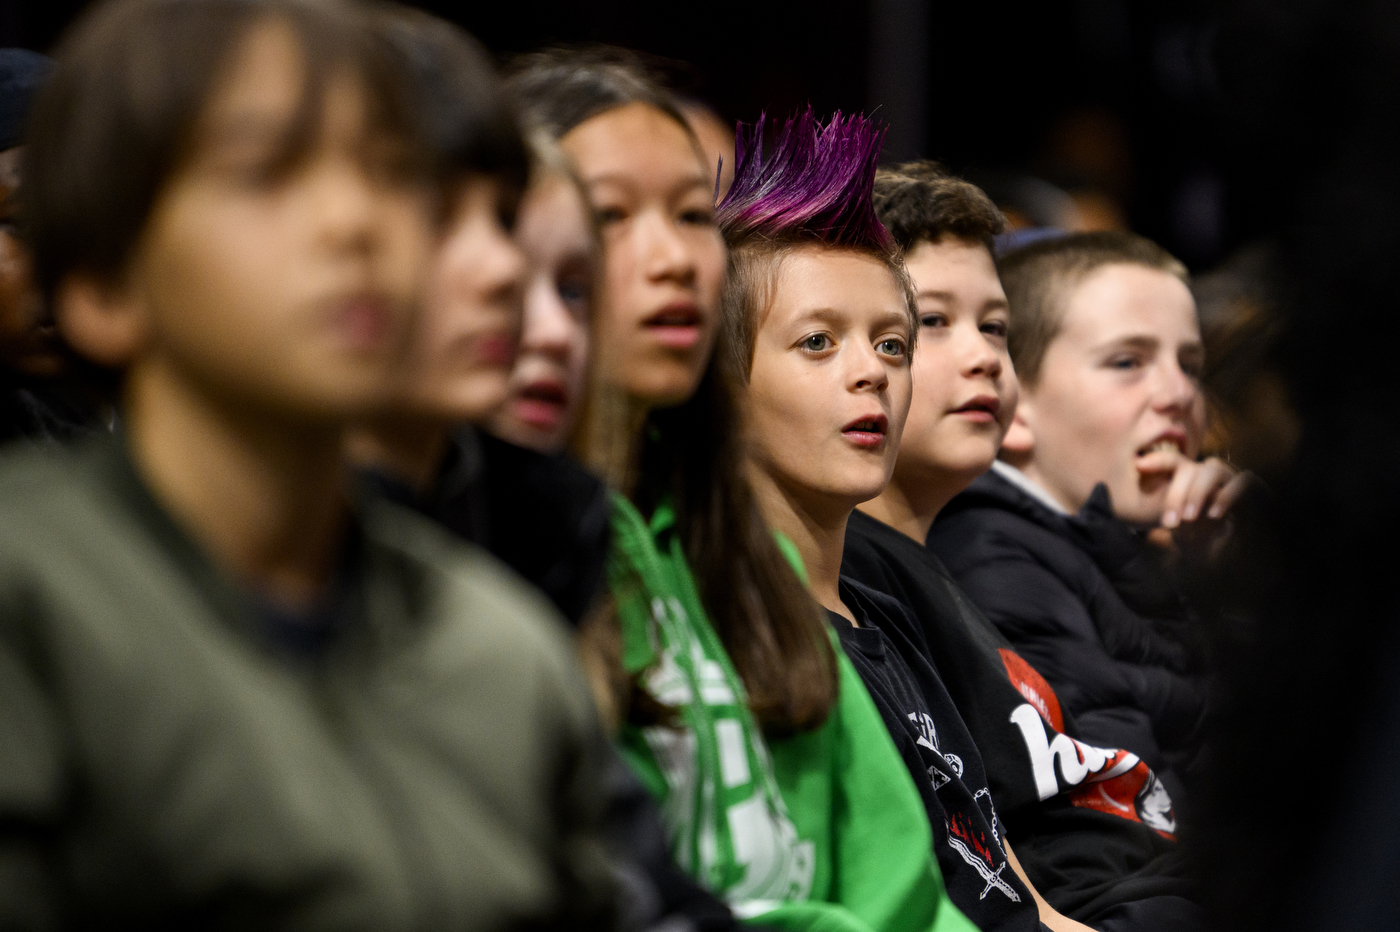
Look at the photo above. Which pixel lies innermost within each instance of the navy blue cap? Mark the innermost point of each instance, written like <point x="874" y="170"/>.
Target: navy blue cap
<point x="21" y="73"/>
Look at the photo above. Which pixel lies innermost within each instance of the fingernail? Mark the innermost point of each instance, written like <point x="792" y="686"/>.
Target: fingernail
<point x="1216" y="511"/>
<point x="1189" y="513"/>
<point x="1169" y="519"/>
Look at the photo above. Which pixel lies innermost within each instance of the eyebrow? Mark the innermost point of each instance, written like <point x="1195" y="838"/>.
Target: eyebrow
<point x="625" y="180"/>
<point x="833" y="315"/>
<point x="950" y="296"/>
<point x="1148" y="343"/>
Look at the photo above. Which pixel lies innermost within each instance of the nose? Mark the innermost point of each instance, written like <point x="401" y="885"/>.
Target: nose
<point x="1176" y="391"/>
<point x="976" y="355"/>
<point x="549" y="327"/>
<point x="868" y="372"/>
<point x="501" y="265"/>
<point x="666" y="254"/>
<point x="347" y="204"/>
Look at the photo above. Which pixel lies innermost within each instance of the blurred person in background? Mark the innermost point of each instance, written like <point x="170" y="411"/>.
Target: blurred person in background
<point x="710" y="657"/>
<point x="1314" y="676"/>
<point x="1253" y="423"/>
<point x="492" y="316"/>
<point x="556" y="230"/>
<point x="39" y="397"/>
<point x="284" y="705"/>
<point x="1098" y="840"/>
<point x="515" y="255"/>
<point x="1104" y="447"/>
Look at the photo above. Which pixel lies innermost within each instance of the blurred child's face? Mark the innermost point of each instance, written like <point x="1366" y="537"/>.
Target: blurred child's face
<point x="555" y="231"/>
<point x="285" y="289"/>
<point x="664" y="258"/>
<point x="829" y="387"/>
<point x="1118" y="392"/>
<point x="463" y="350"/>
<point x="20" y="346"/>
<point x="964" y="387"/>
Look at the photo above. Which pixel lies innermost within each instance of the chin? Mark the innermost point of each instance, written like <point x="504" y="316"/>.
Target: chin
<point x="663" y="389"/>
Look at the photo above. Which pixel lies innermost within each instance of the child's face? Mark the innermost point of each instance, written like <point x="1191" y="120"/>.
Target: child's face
<point x="965" y="389"/>
<point x="21" y="344"/>
<point x="285" y="290"/>
<point x="829" y="386"/>
<point x="1120" y="383"/>
<point x="464" y="348"/>
<point x="664" y="257"/>
<point x="555" y="231"/>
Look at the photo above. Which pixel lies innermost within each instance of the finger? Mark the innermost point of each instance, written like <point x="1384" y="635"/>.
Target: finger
<point x="1159" y="461"/>
<point x="1176" y="493"/>
<point x="1206" y="480"/>
<point x="1230" y="493"/>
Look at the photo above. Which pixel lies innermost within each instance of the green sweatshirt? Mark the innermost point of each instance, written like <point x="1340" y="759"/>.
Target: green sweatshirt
<point x="167" y="763"/>
<point x="822" y="831"/>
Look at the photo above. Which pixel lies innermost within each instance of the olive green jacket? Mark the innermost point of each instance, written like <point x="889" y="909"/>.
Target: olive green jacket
<point x="165" y="762"/>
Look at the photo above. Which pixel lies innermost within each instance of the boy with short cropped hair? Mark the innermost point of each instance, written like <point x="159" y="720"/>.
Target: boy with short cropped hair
<point x="232" y="694"/>
<point x="1095" y="839"/>
<point x="1103" y="450"/>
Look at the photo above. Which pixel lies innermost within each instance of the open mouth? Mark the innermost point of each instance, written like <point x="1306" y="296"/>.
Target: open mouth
<point x="675" y="315"/>
<point x="1162" y="445"/>
<point x="541" y="404"/>
<point x="676" y="325"/>
<point x="867" y="431"/>
<point x="545" y="393"/>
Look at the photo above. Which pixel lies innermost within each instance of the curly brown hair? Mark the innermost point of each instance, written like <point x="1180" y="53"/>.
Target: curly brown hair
<point x="920" y="202"/>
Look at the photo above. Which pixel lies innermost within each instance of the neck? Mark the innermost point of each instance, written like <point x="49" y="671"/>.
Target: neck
<point x="910" y="503"/>
<point x="816" y="528"/>
<point x="610" y="438"/>
<point x="406" y="448"/>
<point x="265" y="495"/>
<point x="1026" y="465"/>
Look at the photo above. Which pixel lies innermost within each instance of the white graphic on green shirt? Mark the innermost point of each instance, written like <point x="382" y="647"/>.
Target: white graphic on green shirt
<point x="728" y="824"/>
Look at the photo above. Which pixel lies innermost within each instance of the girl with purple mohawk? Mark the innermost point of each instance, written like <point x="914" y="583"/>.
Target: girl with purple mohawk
<point x="821" y="318"/>
<point x="779" y="787"/>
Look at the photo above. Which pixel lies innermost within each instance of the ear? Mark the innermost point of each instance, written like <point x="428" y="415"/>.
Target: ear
<point x="102" y="322"/>
<point x="1019" y="442"/>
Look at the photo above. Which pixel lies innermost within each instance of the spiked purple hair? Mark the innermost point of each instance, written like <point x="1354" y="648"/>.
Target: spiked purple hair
<point x="817" y="184"/>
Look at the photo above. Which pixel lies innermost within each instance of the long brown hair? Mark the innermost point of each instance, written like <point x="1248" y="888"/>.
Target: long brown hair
<point x="691" y="456"/>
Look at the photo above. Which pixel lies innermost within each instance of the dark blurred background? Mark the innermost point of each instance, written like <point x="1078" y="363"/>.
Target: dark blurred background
<point x="1112" y="102"/>
<point x="1259" y="140"/>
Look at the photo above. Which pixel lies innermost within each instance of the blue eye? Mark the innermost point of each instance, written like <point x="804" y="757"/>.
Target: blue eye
<point x="891" y="347"/>
<point x="816" y="343"/>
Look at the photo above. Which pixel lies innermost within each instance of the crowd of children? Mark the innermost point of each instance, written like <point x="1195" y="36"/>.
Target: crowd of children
<point x="443" y="499"/>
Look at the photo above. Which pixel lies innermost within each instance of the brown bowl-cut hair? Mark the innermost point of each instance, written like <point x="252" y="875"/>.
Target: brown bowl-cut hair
<point x="1040" y="277"/>
<point x="118" y="117"/>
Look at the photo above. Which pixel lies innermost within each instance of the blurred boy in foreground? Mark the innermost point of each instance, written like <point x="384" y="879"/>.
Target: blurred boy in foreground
<point x="231" y="695"/>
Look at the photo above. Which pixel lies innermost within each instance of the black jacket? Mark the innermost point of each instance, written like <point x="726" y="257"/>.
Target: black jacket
<point x="1090" y="605"/>
<point x="544" y="516"/>
<point x="1091" y="840"/>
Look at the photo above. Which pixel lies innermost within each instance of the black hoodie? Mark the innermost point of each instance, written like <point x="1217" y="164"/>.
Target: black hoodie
<point x="1091" y="606"/>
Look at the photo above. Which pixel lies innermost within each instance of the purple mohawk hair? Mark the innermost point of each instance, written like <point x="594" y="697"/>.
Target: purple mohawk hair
<point x="817" y="184"/>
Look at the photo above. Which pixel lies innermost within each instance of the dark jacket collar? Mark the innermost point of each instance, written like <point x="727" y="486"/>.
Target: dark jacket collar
<point x="1120" y="551"/>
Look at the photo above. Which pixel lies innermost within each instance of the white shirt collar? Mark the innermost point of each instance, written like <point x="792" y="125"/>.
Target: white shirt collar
<point x="1021" y="481"/>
